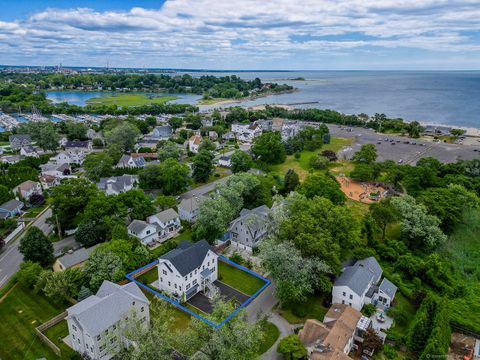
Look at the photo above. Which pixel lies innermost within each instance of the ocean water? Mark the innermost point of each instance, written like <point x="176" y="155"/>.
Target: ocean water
<point x="442" y="97"/>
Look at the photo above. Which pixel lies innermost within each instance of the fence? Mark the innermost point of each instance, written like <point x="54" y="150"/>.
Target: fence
<point x="140" y="272"/>
<point x="47" y="325"/>
<point x="15" y="232"/>
<point x="464" y="330"/>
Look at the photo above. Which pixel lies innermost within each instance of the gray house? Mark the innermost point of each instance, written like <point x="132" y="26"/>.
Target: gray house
<point x="188" y="209"/>
<point x="10" y="209"/>
<point x="118" y="184"/>
<point x="162" y="132"/>
<point x="250" y="228"/>
<point x="17" y="141"/>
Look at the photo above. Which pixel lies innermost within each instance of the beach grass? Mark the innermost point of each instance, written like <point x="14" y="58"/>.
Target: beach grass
<point x="130" y="100"/>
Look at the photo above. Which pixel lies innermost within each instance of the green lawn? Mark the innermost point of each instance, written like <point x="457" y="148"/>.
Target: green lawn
<point x="311" y="309"/>
<point x="271" y="334"/>
<point x="238" y="279"/>
<point x="57" y="333"/>
<point x="129" y="100"/>
<point x="401" y="306"/>
<point x="20" y="313"/>
<point x="149" y="277"/>
<point x="217" y="174"/>
<point x="302" y="165"/>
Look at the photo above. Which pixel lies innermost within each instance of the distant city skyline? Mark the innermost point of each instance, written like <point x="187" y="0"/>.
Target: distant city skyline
<point x="246" y="34"/>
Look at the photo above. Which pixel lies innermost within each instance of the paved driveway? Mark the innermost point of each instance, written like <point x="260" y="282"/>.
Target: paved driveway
<point x="200" y="301"/>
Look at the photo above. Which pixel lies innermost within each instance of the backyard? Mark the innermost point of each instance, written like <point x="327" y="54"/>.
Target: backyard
<point x="20" y="312"/>
<point x="312" y="308"/>
<point x="238" y="279"/>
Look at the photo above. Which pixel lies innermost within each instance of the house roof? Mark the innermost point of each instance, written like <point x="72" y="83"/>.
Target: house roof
<point x="27" y="185"/>
<point x="137" y="226"/>
<point x="11" y="205"/>
<point x="255" y="219"/>
<point x="356" y="278"/>
<point x="388" y="288"/>
<point x="371" y="264"/>
<point x="76" y="257"/>
<point x="47" y="178"/>
<point x="225" y="158"/>
<point x="98" y="312"/>
<point x="29" y="149"/>
<point x="196" y="139"/>
<point x="76" y="144"/>
<point x="191" y="204"/>
<point x="119" y="183"/>
<point x="166" y="215"/>
<point x="187" y="256"/>
<point x="138" y="161"/>
<point x="164" y="131"/>
<point x="24" y="138"/>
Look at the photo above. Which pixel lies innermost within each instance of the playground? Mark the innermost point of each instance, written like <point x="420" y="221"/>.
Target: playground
<point x="364" y="192"/>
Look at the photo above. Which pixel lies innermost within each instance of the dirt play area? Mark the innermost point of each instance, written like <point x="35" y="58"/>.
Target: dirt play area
<point x="360" y="191"/>
<point x="461" y="345"/>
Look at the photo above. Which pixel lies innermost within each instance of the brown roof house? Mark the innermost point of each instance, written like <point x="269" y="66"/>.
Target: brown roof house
<point x="335" y="337"/>
<point x="26" y="189"/>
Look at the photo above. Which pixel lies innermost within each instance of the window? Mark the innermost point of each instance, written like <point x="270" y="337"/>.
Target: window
<point x="195" y="271"/>
<point x="186" y="277"/>
<point x="102" y="347"/>
<point x="344" y="293"/>
<point x="115" y="326"/>
<point x="73" y="336"/>
<point x="187" y="287"/>
<point x="161" y="279"/>
<point x="78" y="341"/>
<point x="195" y="282"/>
<point x="213" y="269"/>
<point x="351" y="296"/>
<point x="343" y="301"/>
<point x="175" y="286"/>
<point x="169" y="284"/>
<point x="106" y="332"/>
<point x="112" y="340"/>
<point x="133" y="302"/>
<point x="141" y="310"/>
<point x="98" y="337"/>
<point x="74" y="327"/>
<point x="180" y="287"/>
<point x="190" y="275"/>
<point x="350" y="304"/>
<point x="164" y="272"/>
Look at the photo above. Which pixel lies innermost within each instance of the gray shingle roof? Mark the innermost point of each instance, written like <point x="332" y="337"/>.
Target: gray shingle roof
<point x="388" y="288"/>
<point x="187" y="257"/>
<point x="356" y="278"/>
<point x="11" y="205"/>
<point x="191" y="204"/>
<point x="76" y="257"/>
<point x="76" y="144"/>
<point x="255" y="219"/>
<point x="371" y="264"/>
<point x="119" y="183"/>
<point x="98" y="312"/>
<point x="137" y="226"/>
<point x="167" y="215"/>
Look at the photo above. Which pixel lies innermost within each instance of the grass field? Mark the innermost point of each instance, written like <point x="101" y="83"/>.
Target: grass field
<point x="129" y="100"/>
<point x="238" y="279"/>
<point x="57" y="333"/>
<point x="20" y="313"/>
<point x="302" y="165"/>
<point x="463" y="249"/>
<point x="312" y="308"/>
<point x="271" y="334"/>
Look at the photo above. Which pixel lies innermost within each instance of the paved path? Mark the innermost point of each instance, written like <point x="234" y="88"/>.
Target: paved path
<point x="204" y="189"/>
<point x="285" y="329"/>
<point x="11" y="257"/>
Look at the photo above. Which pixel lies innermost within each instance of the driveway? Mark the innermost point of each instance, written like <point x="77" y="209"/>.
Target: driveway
<point x="200" y="301"/>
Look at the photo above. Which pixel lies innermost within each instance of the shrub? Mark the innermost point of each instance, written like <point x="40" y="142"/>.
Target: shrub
<point x="368" y="310"/>
<point x="297" y="155"/>
<point x="318" y="162"/>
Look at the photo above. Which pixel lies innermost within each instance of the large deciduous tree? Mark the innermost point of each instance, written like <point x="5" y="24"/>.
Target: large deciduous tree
<point x="123" y="135"/>
<point x="269" y="148"/>
<point x="36" y="247"/>
<point x="367" y="154"/>
<point x="292" y="348"/>
<point x="98" y="165"/>
<point x="241" y="161"/>
<point x="324" y="186"/>
<point x="202" y="166"/>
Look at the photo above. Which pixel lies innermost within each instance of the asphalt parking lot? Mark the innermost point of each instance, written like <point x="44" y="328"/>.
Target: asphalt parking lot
<point x="403" y="149"/>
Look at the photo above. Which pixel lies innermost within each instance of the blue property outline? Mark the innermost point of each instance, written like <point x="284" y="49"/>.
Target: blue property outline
<point x="174" y="303"/>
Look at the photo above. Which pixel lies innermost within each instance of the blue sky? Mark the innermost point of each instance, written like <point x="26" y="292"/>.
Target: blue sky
<point x="243" y="34"/>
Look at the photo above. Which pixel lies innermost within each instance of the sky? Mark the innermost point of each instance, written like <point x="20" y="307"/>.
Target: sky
<point x="243" y="34"/>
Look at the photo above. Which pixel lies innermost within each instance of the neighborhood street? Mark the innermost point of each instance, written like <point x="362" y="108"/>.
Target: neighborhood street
<point x="11" y="257"/>
<point x="204" y="189"/>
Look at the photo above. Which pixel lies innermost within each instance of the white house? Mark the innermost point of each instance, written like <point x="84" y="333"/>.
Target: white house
<point x="246" y="132"/>
<point x="26" y="189"/>
<point x="78" y="150"/>
<point x="17" y="141"/>
<point x="28" y="151"/>
<point x="167" y="221"/>
<point x="194" y="143"/>
<point x="358" y="285"/>
<point x="162" y="132"/>
<point x="187" y="270"/>
<point x="118" y="184"/>
<point x="96" y="325"/>
<point x="250" y="228"/>
<point x="62" y="158"/>
<point x="188" y="209"/>
<point x="143" y="231"/>
<point x="58" y="171"/>
<point x="225" y="161"/>
<point x="128" y="161"/>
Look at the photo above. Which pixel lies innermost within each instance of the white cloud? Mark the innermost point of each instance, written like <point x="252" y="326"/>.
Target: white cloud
<point x="242" y="34"/>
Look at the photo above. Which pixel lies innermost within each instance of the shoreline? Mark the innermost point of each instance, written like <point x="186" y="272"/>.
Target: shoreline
<point x="249" y="98"/>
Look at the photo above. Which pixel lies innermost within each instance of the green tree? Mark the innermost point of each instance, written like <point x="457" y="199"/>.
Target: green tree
<point x="383" y="213"/>
<point x="292" y="348"/>
<point x="98" y="165"/>
<point x="165" y="202"/>
<point x="174" y="177"/>
<point x="457" y="132"/>
<point x="5" y="194"/>
<point x="123" y="135"/>
<point x="138" y="204"/>
<point x="70" y="199"/>
<point x="367" y="154"/>
<point x="103" y="265"/>
<point x="90" y="232"/>
<point x="295" y="276"/>
<point x="63" y="285"/>
<point x="420" y="229"/>
<point x="168" y="150"/>
<point x="213" y="218"/>
<point x="150" y="177"/>
<point x="414" y="129"/>
<point x="269" y="148"/>
<point x="324" y="186"/>
<point x="28" y="274"/>
<point x="291" y="181"/>
<point x="36" y="247"/>
<point x="175" y="122"/>
<point x="207" y="145"/>
<point x="43" y="133"/>
<point x="363" y="172"/>
<point x="202" y="166"/>
<point x="240" y="161"/>
<point x="76" y="130"/>
<point x="318" y="162"/>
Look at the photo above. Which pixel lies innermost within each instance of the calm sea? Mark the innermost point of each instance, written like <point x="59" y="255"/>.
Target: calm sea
<point x="436" y="97"/>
